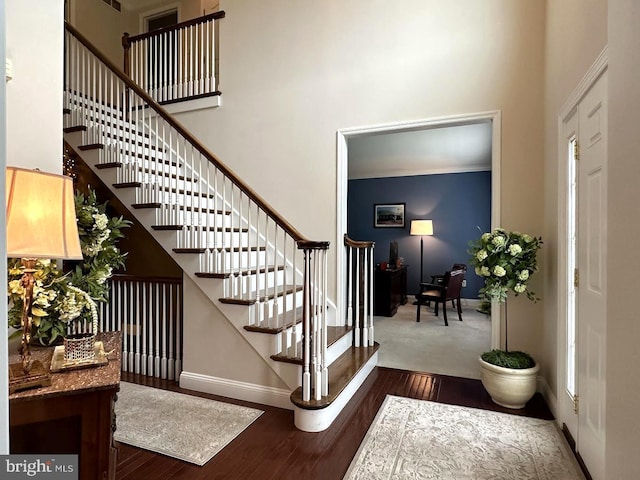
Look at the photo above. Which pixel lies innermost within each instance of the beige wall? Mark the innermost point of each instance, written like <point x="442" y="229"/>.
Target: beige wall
<point x="213" y="346"/>
<point x="103" y="26"/>
<point x="575" y="36"/>
<point x="623" y="326"/>
<point x="34" y="39"/>
<point x="290" y="83"/>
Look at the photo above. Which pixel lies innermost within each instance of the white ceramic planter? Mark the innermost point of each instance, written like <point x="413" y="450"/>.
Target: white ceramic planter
<point x="509" y="387"/>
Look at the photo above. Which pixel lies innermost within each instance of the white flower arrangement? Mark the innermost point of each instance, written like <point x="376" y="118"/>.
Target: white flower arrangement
<point x="505" y="260"/>
<point x="58" y="298"/>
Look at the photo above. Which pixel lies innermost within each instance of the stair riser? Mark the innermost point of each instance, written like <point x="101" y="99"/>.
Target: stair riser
<point x="120" y="150"/>
<point x="265" y="313"/>
<point x="200" y="236"/>
<point x="175" y="215"/>
<point x="87" y="117"/>
<point x="244" y="285"/>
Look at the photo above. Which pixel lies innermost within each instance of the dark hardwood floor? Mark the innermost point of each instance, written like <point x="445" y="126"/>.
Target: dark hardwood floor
<point x="272" y="447"/>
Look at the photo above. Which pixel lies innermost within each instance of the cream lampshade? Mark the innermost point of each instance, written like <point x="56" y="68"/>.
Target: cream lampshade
<point x="41" y="215"/>
<point x="41" y="223"/>
<point x="422" y="228"/>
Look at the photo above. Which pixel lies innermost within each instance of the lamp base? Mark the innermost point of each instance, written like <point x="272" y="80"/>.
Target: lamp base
<point x="37" y="376"/>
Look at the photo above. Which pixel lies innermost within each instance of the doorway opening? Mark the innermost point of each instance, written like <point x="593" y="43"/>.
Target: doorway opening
<point x="347" y="136"/>
<point x="161" y="20"/>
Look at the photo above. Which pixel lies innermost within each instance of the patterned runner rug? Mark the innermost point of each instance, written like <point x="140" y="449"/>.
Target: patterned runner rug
<point x="189" y="428"/>
<point x="416" y="439"/>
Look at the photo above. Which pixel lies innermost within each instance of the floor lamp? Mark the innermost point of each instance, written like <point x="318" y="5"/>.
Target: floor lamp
<point x="422" y="228"/>
<point x="41" y="223"/>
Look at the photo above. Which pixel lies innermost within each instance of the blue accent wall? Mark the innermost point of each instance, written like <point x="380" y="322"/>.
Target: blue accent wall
<point x="458" y="204"/>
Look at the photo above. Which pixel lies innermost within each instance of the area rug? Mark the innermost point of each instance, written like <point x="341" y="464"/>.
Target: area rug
<point x="417" y="439"/>
<point x="431" y="347"/>
<point x="189" y="428"/>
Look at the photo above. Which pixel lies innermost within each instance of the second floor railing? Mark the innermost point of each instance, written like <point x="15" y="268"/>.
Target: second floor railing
<point x="177" y="62"/>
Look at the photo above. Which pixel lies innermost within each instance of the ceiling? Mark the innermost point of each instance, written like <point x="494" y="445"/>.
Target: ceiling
<point x="441" y="149"/>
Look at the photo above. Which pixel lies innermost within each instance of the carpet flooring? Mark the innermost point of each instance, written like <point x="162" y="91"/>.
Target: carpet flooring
<point x="189" y="428"/>
<point x="417" y="439"/>
<point x="430" y="346"/>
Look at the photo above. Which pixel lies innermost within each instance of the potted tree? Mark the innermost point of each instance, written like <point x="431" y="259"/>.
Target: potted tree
<point x="506" y="260"/>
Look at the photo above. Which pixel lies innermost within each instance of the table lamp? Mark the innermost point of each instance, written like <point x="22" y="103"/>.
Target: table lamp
<point x="41" y="223"/>
<point x="422" y="228"/>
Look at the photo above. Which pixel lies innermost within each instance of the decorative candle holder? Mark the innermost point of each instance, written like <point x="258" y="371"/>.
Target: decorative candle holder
<point x="80" y="346"/>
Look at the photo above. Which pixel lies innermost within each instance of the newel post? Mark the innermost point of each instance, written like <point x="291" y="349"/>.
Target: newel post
<point x="315" y="378"/>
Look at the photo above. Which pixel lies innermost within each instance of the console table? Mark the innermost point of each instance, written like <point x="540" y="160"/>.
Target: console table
<point x="390" y="290"/>
<point x="72" y="416"/>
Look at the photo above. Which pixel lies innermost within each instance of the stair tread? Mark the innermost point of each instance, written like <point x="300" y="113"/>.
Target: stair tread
<point x="163" y="161"/>
<point x="286" y="290"/>
<point x="345" y="367"/>
<point x="209" y="228"/>
<point x="125" y="149"/>
<point x="195" y="209"/>
<point x="102" y="166"/>
<point x="91" y="146"/>
<point x="76" y="128"/>
<point x="225" y="249"/>
<point x="165" y="190"/>
<point x="243" y="272"/>
<point x="274" y="330"/>
<point x="333" y="335"/>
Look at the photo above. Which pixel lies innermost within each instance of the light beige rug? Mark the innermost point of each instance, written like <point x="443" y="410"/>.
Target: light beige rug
<point x="417" y="439"/>
<point x="189" y="428"/>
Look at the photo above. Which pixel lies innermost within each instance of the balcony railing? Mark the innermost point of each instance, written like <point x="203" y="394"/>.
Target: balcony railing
<point x="175" y="63"/>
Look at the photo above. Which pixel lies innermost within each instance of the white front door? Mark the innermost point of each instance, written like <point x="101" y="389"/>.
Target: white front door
<point x="592" y="287"/>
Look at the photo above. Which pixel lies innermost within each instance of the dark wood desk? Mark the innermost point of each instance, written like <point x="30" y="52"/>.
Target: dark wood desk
<point x="72" y="416"/>
<point x="390" y="290"/>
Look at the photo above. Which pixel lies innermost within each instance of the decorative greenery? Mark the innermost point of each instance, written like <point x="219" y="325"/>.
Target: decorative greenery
<point x="58" y="298"/>
<point x="514" y="359"/>
<point x="505" y="260"/>
<point x="98" y="237"/>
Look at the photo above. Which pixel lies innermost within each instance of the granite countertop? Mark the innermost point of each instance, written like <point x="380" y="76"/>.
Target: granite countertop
<point x="74" y="381"/>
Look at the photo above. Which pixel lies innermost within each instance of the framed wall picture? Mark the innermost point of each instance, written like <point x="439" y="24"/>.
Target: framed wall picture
<point x="388" y="215"/>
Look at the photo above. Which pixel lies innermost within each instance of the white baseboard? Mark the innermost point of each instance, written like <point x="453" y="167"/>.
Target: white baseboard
<point x="321" y="419"/>
<point x="249" y="392"/>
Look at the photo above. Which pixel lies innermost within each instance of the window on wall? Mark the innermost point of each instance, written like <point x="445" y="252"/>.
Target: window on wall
<point x="571" y="266"/>
<point x="114" y="3"/>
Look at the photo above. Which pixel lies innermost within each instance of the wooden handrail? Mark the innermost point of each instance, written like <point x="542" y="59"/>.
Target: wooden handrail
<point x="177" y="26"/>
<point x="348" y="242"/>
<point x="268" y="209"/>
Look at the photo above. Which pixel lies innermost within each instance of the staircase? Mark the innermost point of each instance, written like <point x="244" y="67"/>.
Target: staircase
<point x="267" y="279"/>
